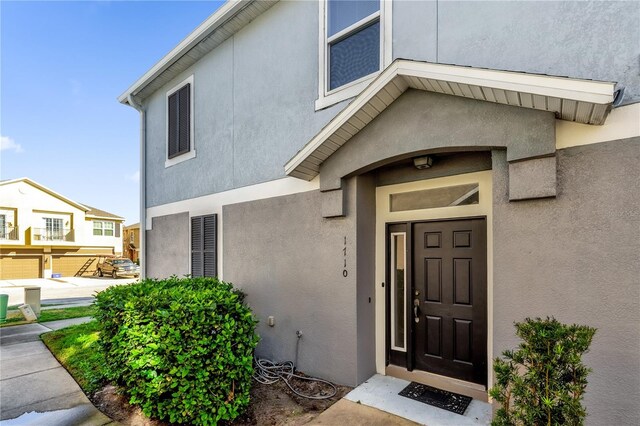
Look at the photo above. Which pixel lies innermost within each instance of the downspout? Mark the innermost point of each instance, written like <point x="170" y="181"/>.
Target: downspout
<point x="143" y="175"/>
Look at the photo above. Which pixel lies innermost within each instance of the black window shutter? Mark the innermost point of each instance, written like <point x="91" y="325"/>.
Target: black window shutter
<point x="173" y="125"/>
<point x="117" y="230"/>
<point x="210" y="245"/>
<point x="196" y="247"/>
<point x="204" y="240"/>
<point x="184" y="119"/>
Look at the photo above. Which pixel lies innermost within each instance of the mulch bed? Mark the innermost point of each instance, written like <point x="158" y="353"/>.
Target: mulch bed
<point x="270" y="405"/>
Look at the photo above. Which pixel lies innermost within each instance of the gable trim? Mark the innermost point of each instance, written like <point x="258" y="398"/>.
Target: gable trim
<point x="48" y="191"/>
<point x="582" y="101"/>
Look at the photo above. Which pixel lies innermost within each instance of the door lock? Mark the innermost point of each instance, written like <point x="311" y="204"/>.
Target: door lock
<point x="416" y="304"/>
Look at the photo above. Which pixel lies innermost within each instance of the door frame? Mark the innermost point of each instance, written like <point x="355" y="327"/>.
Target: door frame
<point x="384" y="218"/>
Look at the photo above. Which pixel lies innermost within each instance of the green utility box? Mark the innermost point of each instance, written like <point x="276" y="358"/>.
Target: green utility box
<point x="4" y="302"/>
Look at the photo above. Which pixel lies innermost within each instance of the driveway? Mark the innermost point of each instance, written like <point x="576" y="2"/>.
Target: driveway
<point x="59" y="288"/>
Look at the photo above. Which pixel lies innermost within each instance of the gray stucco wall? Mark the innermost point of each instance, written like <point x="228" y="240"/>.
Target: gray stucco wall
<point x="420" y="121"/>
<point x="254" y="94"/>
<point x="168" y="246"/>
<point x="254" y="108"/>
<point x="591" y="40"/>
<point x="576" y="257"/>
<point x="365" y="266"/>
<point x="290" y="262"/>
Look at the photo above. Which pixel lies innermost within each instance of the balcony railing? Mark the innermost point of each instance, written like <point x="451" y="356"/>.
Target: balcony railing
<point x="44" y="234"/>
<point x="9" y="233"/>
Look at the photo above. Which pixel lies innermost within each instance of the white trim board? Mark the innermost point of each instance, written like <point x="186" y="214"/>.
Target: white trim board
<point x="213" y="203"/>
<point x="584" y="101"/>
<point x="623" y="122"/>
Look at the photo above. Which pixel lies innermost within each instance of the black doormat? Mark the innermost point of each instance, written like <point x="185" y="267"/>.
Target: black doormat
<point x="446" y="400"/>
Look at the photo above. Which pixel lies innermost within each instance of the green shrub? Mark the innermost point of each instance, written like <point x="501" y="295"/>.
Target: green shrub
<point x="543" y="381"/>
<point x="181" y="348"/>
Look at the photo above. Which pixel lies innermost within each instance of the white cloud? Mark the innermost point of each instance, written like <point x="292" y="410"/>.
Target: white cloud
<point x="6" y="144"/>
<point x="134" y="177"/>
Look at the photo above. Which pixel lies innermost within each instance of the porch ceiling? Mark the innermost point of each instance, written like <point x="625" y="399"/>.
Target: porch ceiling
<point x="582" y="101"/>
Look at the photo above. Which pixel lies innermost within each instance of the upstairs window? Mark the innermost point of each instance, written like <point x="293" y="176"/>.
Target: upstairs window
<point x="353" y="40"/>
<point x="103" y="228"/>
<point x="180" y="123"/>
<point x="354" y="46"/>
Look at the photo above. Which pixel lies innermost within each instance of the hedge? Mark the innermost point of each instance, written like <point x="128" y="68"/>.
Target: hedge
<point x="180" y="348"/>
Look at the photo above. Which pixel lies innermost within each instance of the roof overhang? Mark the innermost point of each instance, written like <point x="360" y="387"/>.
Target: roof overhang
<point x="226" y="21"/>
<point x="111" y="218"/>
<point x="46" y="190"/>
<point x="582" y="101"/>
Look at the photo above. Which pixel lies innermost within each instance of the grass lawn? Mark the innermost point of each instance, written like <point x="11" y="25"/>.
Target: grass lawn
<point x="56" y="314"/>
<point x="76" y="348"/>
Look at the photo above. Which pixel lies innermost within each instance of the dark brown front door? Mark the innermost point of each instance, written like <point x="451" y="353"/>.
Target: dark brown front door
<point x="450" y="298"/>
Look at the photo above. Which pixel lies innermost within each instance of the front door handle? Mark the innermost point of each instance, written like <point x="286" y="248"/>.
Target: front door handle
<point x="416" y="304"/>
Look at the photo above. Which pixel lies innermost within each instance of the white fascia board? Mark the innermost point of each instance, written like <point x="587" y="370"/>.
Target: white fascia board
<point x="560" y="87"/>
<point x="217" y="19"/>
<point x="112" y="219"/>
<point x="376" y="85"/>
<point x="599" y="92"/>
<point x="48" y="191"/>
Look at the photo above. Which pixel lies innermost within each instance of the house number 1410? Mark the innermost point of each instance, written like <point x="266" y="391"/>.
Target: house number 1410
<point x="345" y="273"/>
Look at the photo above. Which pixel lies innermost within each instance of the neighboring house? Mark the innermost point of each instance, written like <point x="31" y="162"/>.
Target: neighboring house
<point x="44" y="233"/>
<point x="401" y="181"/>
<point x="131" y="242"/>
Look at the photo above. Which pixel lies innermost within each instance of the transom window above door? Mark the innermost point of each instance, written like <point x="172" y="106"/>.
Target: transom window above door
<point x="353" y="51"/>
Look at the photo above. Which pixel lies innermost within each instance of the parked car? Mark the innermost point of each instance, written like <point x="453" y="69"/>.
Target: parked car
<point x="118" y="267"/>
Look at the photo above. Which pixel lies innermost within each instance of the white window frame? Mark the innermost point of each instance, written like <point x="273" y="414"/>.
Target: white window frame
<point x="3" y="226"/>
<point x="103" y="228"/>
<point x="192" y="148"/>
<point x="392" y="268"/>
<point x="327" y="97"/>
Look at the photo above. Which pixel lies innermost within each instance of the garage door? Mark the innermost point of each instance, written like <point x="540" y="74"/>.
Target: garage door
<point x="13" y="268"/>
<point x="74" y="266"/>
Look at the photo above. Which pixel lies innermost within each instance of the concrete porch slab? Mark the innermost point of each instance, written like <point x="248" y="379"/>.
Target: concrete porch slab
<point x="381" y="392"/>
<point x="345" y="412"/>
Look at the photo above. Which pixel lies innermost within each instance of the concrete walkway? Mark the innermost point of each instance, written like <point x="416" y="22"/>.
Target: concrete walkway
<point x="345" y="412"/>
<point x="35" y="388"/>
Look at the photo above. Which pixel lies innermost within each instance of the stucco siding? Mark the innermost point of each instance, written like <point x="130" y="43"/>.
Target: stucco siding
<point x="168" y="246"/>
<point x="254" y="94"/>
<point x="591" y="40"/>
<point x="426" y="122"/>
<point x="253" y="108"/>
<point x="290" y="262"/>
<point x="575" y="257"/>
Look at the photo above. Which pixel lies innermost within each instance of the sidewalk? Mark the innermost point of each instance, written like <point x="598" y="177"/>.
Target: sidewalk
<point x="59" y="288"/>
<point x="36" y="389"/>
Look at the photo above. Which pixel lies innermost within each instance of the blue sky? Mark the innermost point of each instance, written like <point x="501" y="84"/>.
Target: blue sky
<point x="62" y="66"/>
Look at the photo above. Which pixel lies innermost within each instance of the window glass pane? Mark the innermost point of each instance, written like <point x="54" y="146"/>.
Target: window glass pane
<point x="343" y="13"/>
<point x="459" y="195"/>
<point x="97" y="228"/>
<point x="398" y="289"/>
<point x="356" y="56"/>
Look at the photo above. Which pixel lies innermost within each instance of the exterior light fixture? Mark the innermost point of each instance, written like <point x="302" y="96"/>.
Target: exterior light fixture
<point x="423" y="162"/>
